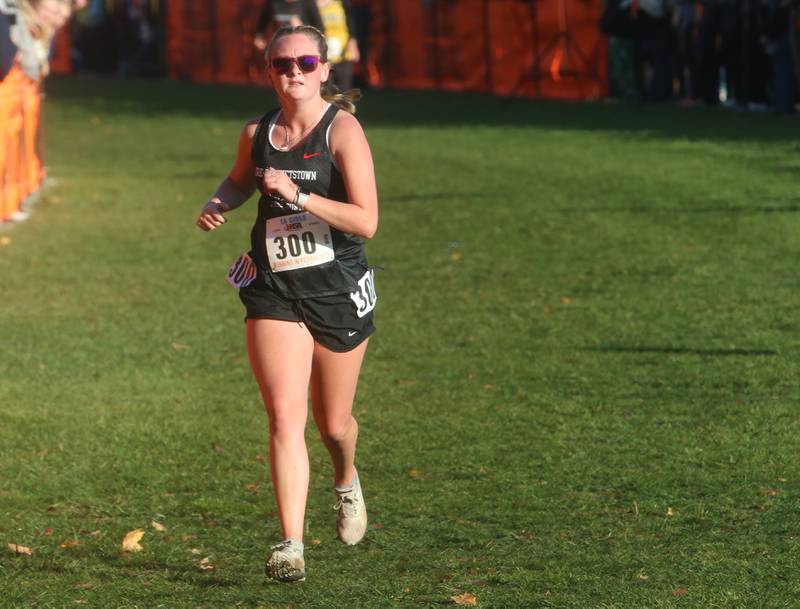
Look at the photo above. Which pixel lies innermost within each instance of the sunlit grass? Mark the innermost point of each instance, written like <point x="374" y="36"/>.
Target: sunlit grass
<point x="583" y="390"/>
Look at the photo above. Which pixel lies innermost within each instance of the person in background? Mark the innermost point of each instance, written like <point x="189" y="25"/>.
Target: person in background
<point x="778" y="42"/>
<point x="278" y="13"/>
<point x="306" y="285"/>
<point x="33" y="34"/>
<point x="8" y="50"/>
<point x="339" y="28"/>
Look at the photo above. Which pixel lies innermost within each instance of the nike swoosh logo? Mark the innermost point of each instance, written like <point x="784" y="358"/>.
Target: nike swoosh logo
<point x="352" y="333"/>
<point x="310" y="156"/>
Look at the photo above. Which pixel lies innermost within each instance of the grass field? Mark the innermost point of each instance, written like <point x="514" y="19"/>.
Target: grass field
<point x="583" y="392"/>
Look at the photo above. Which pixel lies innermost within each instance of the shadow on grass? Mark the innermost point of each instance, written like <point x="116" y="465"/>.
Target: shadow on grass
<point x="403" y="109"/>
<point x="657" y="209"/>
<point x="684" y="351"/>
<point x="184" y="573"/>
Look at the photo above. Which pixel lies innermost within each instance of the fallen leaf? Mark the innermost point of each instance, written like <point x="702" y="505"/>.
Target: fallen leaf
<point x="131" y="541"/>
<point x="95" y="533"/>
<point x="46" y="533"/>
<point x="680" y="591"/>
<point x="455" y="256"/>
<point x="769" y="492"/>
<point x="86" y="586"/>
<point x="73" y="543"/>
<point x="781" y="479"/>
<point x="670" y="512"/>
<point x="406" y="589"/>
<point x="566" y="300"/>
<point x="316" y="542"/>
<point x="205" y="564"/>
<point x="251" y="487"/>
<point x="413" y="472"/>
<point x="187" y="537"/>
<point x="180" y="346"/>
<point x="488" y="386"/>
<point x="217" y="448"/>
<point x="548" y="309"/>
<point x="158" y="526"/>
<point x="376" y="526"/>
<point x="55" y="199"/>
<point x="195" y="551"/>
<point x="20" y="549"/>
<point x="465" y="599"/>
<point x="642" y="575"/>
<point x="4" y="241"/>
<point x="262" y="458"/>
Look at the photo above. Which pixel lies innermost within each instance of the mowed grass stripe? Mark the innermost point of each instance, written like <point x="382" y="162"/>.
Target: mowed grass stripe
<point x="582" y="393"/>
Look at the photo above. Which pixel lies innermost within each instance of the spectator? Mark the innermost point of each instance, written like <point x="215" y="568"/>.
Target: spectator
<point x="362" y="16"/>
<point x="34" y="31"/>
<point x="778" y="29"/>
<point x="8" y="50"/>
<point x="339" y="28"/>
<point x="277" y="13"/>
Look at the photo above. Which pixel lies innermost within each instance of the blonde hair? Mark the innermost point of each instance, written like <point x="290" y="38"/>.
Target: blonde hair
<point x="329" y="91"/>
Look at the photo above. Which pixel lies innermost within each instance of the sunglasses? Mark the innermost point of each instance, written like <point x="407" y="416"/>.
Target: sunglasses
<point x="306" y="63"/>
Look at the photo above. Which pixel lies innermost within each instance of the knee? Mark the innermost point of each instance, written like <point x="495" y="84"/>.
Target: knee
<point x="286" y="419"/>
<point x="337" y="429"/>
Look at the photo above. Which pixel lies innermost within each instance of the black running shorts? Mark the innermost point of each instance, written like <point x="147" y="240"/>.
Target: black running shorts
<point x="333" y="321"/>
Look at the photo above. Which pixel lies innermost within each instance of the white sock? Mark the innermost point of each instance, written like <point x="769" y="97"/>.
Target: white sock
<point x="350" y="487"/>
<point x="295" y="542"/>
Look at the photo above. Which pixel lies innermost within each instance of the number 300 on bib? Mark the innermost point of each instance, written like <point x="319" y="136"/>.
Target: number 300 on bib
<point x="298" y="241"/>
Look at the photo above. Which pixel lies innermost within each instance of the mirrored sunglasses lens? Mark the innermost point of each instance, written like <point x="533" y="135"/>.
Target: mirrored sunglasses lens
<point x="308" y="63"/>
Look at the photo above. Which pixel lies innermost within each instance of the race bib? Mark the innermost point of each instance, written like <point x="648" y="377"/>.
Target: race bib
<point x="365" y="297"/>
<point x="298" y="241"/>
<point x="243" y="272"/>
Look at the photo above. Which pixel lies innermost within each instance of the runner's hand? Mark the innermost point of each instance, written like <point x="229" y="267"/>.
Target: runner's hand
<point x="276" y="182"/>
<point x="211" y="216"/>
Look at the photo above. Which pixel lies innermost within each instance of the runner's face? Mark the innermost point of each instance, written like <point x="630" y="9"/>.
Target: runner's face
<point x="296" y="84"/>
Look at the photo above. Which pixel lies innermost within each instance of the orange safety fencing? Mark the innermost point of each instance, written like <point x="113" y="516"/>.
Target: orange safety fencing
<point x="61" y="55"/>
<point x="20" y="165"/>
<point x="537" y="48"/>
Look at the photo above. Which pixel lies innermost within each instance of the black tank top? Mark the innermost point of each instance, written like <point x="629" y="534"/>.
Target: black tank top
<point x="310" y="166"/>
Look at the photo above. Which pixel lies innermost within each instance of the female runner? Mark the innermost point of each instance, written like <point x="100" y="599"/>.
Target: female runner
<point x="305" y="283"/>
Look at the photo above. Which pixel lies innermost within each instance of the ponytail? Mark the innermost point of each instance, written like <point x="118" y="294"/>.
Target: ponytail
<point x="345" y="101"/>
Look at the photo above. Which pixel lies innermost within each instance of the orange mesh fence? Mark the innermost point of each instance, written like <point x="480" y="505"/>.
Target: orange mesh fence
<point x="21" y="174"/>
<point x="212" y="40"/>
<point x="61" y="57"/>
<point x="541" y="48"/>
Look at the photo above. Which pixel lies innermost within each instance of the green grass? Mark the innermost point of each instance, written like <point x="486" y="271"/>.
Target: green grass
<point x="583" y="392"/>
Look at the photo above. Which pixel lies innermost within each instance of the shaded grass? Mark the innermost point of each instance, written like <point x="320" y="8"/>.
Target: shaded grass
<point x="583" y="390"/>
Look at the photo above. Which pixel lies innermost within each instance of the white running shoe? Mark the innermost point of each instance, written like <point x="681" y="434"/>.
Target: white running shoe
<point x="285" y="562"/>
<point x="352" y="522"/>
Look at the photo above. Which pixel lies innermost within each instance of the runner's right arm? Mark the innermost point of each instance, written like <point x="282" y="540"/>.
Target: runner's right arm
<point x="234" y="190"/>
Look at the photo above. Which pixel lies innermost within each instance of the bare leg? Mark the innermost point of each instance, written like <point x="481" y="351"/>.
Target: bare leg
<point x="334" y="378"/>
<point x="280" y="355"/>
